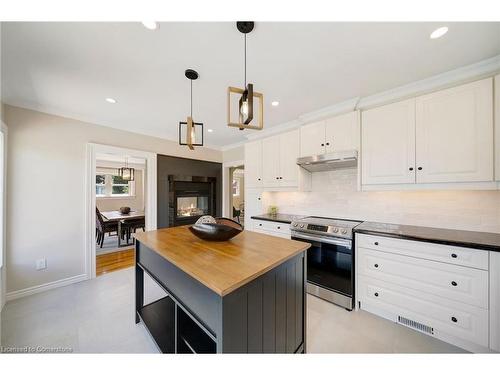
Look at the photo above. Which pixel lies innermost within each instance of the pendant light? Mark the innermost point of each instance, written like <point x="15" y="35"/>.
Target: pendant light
<point x="247" y="96"/>
<point x="190" y="126"/>
<point x="126" y="173"/>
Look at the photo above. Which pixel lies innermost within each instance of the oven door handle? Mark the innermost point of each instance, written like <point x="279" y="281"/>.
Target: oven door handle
<point x="332" y="241"/>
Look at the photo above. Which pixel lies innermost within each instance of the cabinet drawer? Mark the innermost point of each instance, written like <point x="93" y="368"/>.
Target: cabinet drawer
<point x="457" y="283"/>
<point x="456" y="323"/>
<point x="462" y="256"/>
<point x="272" y="226"/>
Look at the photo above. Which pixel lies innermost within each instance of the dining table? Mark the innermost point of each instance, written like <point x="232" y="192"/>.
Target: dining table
<point x="117" y="216"/>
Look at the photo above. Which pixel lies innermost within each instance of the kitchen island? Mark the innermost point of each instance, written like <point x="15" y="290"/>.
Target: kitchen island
<point x="246" y="295"/>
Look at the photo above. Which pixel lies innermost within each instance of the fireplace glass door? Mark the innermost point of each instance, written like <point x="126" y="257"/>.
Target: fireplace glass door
<point x="192" y="206"/>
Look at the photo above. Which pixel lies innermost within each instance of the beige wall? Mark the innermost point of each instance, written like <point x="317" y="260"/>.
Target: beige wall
<point x="334" y="195"/>
<point x="46" y="205"/>
<point x="234" y="154"/>
<point x="135" y="203"/>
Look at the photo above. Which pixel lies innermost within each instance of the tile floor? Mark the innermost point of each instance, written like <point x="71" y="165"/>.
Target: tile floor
<point x="97" y="316"/>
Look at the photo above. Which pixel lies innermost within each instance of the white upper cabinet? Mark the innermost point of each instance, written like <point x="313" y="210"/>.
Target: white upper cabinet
<point x="454" y="132"/>
<point x="253" y="164"/>
<point x="388" y="144"/>
<point x="279" y="163"/>
<point x="289" y="152"/>
<point x="312" y="139"/>
<point x="271" y="161"/>
<point x="342" y="132"/>
<point x="497" y="127"/>
<point x="334" y="134"/>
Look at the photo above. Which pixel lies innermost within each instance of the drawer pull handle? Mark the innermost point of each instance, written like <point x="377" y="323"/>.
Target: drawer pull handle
<point x="376" y="294"/>
<point x="260" y="225"/>
<point x="376" y="265"/>
<point x="279" y="227"/>
<point x="454" y="283"/>
<point x="376" y="243"/>
<point x="453" y="319"/>
<point x="454" y="255"/>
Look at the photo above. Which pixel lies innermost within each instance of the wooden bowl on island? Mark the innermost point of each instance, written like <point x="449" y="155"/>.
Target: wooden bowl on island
<point x="222" y="230"/>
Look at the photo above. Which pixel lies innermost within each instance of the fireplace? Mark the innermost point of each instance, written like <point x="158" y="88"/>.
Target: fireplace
<point x="190" y="197"/>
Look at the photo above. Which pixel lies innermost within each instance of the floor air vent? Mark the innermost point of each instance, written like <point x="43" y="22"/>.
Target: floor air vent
<point x="415" y="325"/>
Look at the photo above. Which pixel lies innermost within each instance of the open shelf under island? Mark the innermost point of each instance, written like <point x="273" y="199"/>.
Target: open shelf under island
<point x="246" y="295"/>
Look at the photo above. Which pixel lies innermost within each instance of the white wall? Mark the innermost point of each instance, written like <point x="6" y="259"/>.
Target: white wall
<point x="233" y="154"/>
<point x="46" y="207"/>
<point x="334" y="195"/>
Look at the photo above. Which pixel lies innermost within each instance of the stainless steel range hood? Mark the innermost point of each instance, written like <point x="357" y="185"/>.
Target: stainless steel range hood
<point x="331" y="161"/>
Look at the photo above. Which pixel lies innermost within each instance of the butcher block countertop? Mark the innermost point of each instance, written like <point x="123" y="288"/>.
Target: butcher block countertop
<point x="221" y="266"/>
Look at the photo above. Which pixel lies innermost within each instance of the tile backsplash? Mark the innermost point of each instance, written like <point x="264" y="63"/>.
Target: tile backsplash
<point x="334" y="195"/>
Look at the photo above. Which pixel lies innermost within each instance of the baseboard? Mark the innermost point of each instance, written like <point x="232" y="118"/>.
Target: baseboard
<point x="44" y="287"/>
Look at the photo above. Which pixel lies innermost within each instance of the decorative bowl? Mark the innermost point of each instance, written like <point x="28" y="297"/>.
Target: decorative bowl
<point x="222" y="230"/>
<point x="125" y="210"/>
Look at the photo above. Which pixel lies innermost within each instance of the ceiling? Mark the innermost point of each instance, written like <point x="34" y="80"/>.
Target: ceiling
<point x="70" y="68"/>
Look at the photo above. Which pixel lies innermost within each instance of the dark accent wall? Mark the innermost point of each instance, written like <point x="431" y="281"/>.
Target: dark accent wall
<point x="171" y="165"/>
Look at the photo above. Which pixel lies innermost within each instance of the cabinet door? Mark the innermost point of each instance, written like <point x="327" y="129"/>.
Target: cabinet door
<point x="454" y="132"/>
<point x="271" y="161"/>
<point x="497" y="128"/>
<point x="289" y="152"/>
<point x="494" y="300"/>
<point x="312" y="139"/>
<point x="253" y="206"/>
<point x="388" y="139"/>
<point x="342" y="132"/>
<point x="253" y="164"/>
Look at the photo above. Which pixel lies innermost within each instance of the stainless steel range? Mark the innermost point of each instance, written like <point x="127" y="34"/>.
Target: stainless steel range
<point x="330" y="271"/>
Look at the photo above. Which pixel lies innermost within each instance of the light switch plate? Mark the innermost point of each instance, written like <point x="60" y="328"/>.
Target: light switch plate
<point x="41" y="264"/>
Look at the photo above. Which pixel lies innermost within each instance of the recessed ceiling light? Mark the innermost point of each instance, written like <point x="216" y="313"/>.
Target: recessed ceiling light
<point x="438" y="33"/>
<point x="210" y="130"/>
<point x="151" y="25"/>
<point x="111" y="100"/>
<point x="275" y="103"/>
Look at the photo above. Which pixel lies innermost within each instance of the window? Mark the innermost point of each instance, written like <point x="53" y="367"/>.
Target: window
<point x="119" y="186"/>
<point x="112" y="185"/>
<point x="100" y="185"/>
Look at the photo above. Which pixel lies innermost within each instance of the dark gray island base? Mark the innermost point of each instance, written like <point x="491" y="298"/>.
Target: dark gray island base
<point x="232" y="312"/>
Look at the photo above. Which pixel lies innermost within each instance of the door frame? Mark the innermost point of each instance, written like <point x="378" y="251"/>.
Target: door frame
<point x="150" y="203"/>
<point x="226" y="183"/>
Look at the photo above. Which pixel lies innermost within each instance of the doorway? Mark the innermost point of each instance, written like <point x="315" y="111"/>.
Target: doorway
<point x="121" y="201"/>
<point x="120" y="209"/>
<point x="237" y="193"/>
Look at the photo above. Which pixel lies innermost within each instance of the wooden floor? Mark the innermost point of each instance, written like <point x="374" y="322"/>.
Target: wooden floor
<point x="110" y="262"/>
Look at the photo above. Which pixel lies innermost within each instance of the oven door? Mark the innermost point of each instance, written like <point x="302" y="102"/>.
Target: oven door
<point x="329" y="262"/>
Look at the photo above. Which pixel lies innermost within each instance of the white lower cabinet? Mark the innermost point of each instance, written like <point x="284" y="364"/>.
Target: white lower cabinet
<point x="495" y="301"/>
<point x="253" y="205"/>
<point x="272" y="228"/>
<point x="459" y="324"/>
<point x="439" y="290"/>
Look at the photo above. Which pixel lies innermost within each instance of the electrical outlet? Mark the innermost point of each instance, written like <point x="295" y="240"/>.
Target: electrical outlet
<point x="41" y="264"/>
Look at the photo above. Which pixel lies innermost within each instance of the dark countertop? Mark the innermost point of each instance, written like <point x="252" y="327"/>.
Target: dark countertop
<point x="279" y="218"/>
<point x="464" y="238"/>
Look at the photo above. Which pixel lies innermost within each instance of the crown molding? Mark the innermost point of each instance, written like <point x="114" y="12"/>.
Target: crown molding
<point x="318" y="115"/>
<point x="46" y="110"/>
<point x="232" y="145"/>
<point x="481" y="69"/>
<point x="330" y="111"/>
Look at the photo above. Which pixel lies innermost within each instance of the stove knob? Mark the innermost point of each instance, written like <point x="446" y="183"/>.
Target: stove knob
<point x="295" y="224"/>
<point x="344" y="231"/>
<point x="335" y="230"/>
<point x="302" y="225"/>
